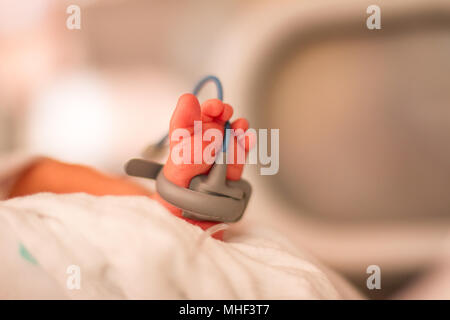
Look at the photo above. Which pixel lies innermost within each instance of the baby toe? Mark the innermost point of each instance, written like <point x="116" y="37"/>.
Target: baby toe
<point x="227" y="113"/>
<point x="211" y="108"/>
<point x="186" y="112"/>
<point x="241" y="126"/>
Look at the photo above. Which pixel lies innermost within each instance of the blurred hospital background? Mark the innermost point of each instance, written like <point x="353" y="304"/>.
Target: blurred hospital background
<point x="364" y="115"/>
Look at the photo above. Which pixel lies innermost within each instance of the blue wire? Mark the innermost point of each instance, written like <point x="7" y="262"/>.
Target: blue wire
<point x="206" y="79"/>
<point x="195" y="92"/>
<point x="226" y="138"/>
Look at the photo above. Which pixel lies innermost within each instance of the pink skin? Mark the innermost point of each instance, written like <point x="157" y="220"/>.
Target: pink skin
<point x="213" y="113"/>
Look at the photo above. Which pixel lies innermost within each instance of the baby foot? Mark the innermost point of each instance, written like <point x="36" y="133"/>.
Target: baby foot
<point x="212" y="113"/>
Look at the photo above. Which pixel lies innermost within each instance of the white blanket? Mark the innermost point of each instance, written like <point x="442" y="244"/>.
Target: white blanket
<point x="131" y="247"/>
